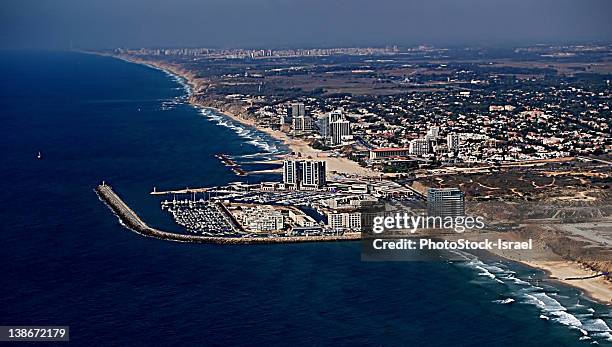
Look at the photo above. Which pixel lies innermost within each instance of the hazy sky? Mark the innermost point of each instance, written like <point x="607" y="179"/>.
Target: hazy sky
<point x="291" y="23"/>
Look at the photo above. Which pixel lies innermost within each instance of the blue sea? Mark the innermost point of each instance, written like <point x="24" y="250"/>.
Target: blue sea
<point x="66" y="260"/>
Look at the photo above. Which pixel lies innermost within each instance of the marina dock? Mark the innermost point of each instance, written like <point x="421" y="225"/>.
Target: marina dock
<point x="132" y="221"/>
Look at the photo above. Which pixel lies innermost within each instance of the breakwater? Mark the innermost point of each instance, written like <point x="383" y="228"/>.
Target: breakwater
<point x="130" y="219"/>
<point x="227" y="161"/>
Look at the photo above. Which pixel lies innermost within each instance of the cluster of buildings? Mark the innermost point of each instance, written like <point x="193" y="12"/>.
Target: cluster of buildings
<point x="333" y="128"/>
<point x="453" y="127"/>
<point x="344" y="205"/>
<point x="306" y="204"/>
<point x="273" y="219"/>
<point x="259" y="218"/>
<point x="419" y="150"/>
<point x="407" y="114"/>
<point x="239" y="53"/>
<point x="485" y="111"/>
<point x="480" y="116"/>
<point x="419" y="125"/>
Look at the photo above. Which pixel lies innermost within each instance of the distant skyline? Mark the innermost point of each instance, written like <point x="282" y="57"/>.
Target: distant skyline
<point x="95" y="24"/>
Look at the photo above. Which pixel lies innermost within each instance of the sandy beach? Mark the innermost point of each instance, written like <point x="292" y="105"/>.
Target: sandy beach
<point x="595" y="288"/>
<point x="558" y="269"/>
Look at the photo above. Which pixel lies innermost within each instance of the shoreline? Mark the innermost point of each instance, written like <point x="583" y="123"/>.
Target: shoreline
<point x="598" y="289"/>
<point x="298" y="146"/>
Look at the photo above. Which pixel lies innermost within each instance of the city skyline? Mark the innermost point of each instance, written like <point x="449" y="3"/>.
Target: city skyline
<point x="289" y="24"/>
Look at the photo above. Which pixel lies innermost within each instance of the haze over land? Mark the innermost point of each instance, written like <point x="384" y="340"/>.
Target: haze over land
<point x="290" y="23"/>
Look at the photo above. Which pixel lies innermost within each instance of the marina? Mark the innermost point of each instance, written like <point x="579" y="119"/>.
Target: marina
<point x="132" y="221"/>
<point x="206" y="218"/>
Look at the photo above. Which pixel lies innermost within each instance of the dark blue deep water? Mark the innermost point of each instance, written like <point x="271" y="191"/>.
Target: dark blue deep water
<point x="65" y="260"/>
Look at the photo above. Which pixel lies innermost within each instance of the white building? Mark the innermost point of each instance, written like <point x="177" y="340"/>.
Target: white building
<point x="291" y="173"/>
<point x="420" y="147"/>
<point x="452" y="141"/>
<point x="334" y="127"/>
<point x="303" y="124"/>
<point x="313" y="174"/>
<point x="433" y="132"/>
<point x="304" y="174"/>
<point x="344" y="220"/>
<point x="260" y="218"/>
<point x="335" y="115"/>
<point x="338" y="131"/>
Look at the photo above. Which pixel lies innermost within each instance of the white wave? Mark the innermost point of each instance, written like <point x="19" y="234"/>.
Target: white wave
<point x="550" y="308"/>
<point x="253" y="136"/>
<point x="545" y="302"/>
<point x="180" y="80"/>
<point x="569" y="320"/>
<point x="265" y="156"/>
<point x="485" y="270"/>
<point x="584" y="323"/>
<point x="520" y="281"/>
<point x="244" y="132"/>
<point x="497" y="269"/>
<point x="482" y="271"/>
<point x="606" y="336"/>
<point x="596" y="325"/>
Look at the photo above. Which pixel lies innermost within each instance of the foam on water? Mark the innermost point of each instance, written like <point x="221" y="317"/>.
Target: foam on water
<point x="252" y="136"/>
<point x="487" y="270"/>
<point x="544" y="302"/>
<point x="178" y="79"/>
<point x="597" y="324"/>
<point x="520" y="281"/>
<point x="580" y="317"/>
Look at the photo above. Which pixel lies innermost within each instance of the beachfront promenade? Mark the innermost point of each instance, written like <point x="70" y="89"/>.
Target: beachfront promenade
<point x="131" y="220"/>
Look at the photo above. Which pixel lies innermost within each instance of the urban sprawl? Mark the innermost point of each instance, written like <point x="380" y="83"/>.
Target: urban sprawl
<point x="423" y="129"/>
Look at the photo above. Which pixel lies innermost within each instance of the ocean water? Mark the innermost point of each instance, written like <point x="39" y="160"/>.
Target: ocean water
<point x="66" y="260"/>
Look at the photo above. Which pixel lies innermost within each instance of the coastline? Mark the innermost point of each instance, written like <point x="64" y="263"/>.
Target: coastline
<point x="297" y="146"/>
<point x="597" y="289"/>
